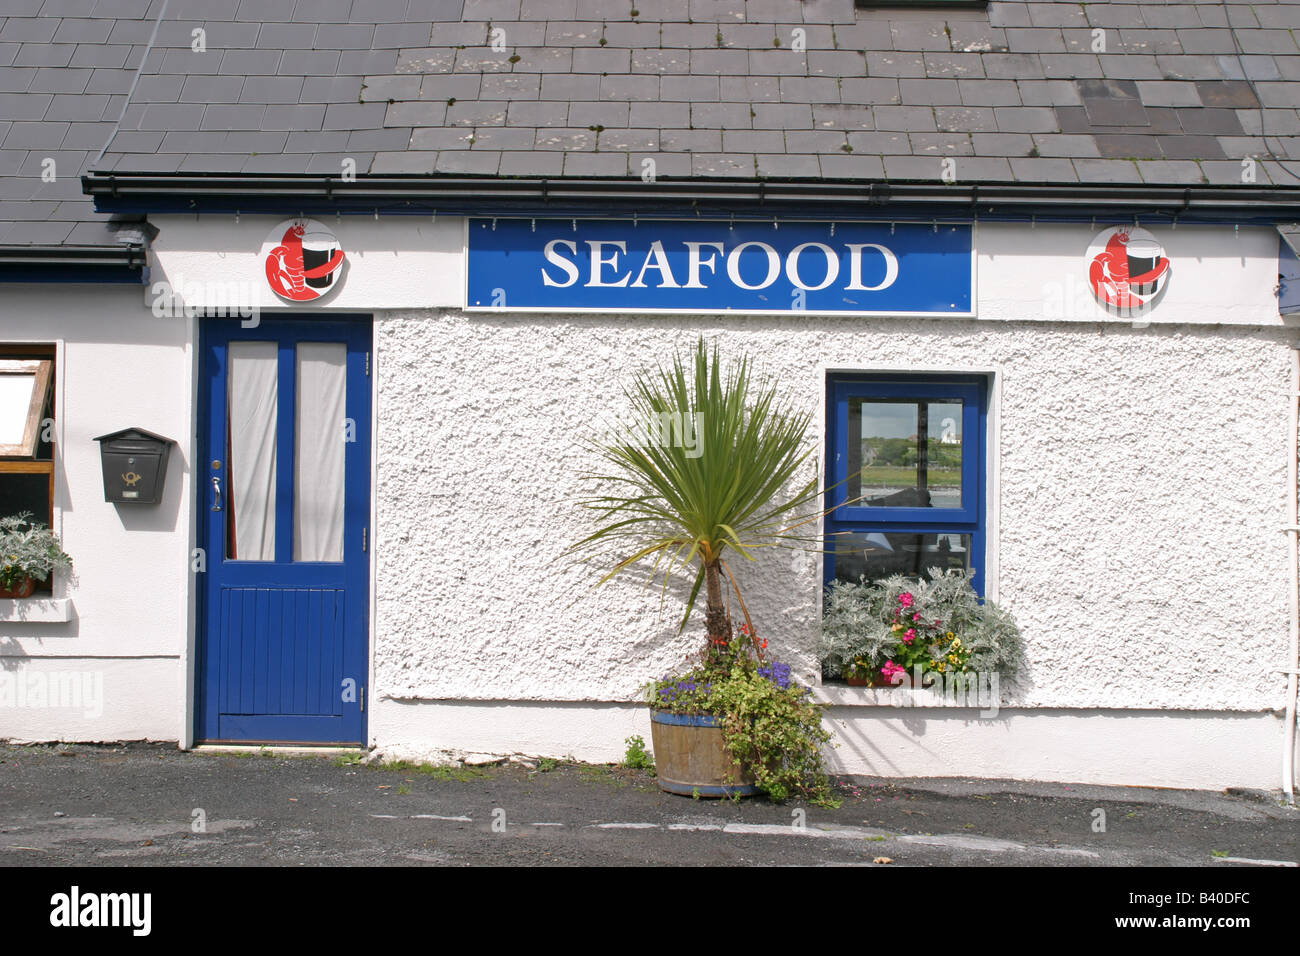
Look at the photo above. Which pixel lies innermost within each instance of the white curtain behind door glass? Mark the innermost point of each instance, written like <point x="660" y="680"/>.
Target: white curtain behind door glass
<point x="322" y="432"/>
<point x="252" y="384"/>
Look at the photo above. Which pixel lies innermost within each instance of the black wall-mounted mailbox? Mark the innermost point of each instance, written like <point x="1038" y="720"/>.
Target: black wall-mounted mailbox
<point x="135" y="465"/>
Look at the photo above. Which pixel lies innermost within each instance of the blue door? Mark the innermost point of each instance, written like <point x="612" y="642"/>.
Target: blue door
<point x="284" y="508"/>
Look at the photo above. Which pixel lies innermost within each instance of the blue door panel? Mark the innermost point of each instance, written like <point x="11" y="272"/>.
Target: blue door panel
<point x="283" y="643"/>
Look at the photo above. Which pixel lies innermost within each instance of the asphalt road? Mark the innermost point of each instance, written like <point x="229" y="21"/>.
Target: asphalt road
<point x="152" y="804"/>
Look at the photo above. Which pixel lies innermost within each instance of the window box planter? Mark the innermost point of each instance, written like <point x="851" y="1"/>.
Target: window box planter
<point x="22" y="589"/>
<point x="904" y="680"/>
<point x="691" y="757"/>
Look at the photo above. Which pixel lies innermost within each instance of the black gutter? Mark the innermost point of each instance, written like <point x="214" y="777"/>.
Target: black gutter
<point x="742" y="198"/>
<point x="94" y="264"/>
<point x="105" y="257"/>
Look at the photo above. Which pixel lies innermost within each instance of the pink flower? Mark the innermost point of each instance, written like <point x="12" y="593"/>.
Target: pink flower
<point x="909" y="636"/>
<point x="916" y="616"/>
<point x="890" y="669"/>
<point x="905" y="599"/>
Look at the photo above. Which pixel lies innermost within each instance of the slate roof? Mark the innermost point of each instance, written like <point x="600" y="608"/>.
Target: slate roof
<point x="1179" y="93"/>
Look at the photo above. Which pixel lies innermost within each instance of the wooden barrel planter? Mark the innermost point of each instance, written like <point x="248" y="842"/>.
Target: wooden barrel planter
<point x="692" y="759"/>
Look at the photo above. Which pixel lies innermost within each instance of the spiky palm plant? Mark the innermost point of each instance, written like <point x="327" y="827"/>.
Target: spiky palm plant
<point x="677" y="505"/>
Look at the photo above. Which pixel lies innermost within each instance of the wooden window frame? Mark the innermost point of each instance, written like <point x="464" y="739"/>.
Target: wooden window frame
<point x="43" y="370"/>
<point x="16" y="460"/>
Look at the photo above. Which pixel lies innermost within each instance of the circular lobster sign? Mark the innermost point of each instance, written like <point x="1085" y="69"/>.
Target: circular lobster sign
<point x="303" y="260"/>
<point x="1127" y="269"/>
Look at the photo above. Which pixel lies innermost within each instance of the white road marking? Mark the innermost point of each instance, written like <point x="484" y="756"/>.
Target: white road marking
<point x="626" y="826"/>
<point x="1247" y="860"/>
<point x="967" y="841"/>
<point x="831" y="831"/>
<point x="695" y="826"/>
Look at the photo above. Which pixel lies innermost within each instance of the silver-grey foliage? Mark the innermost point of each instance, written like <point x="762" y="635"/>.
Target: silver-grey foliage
<point x="859" y="615"/>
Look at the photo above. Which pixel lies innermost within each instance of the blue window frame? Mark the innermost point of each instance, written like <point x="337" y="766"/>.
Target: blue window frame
<point x="905" y="469"/>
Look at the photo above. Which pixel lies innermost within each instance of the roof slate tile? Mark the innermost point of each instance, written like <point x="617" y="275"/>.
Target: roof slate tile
<point x="98" y="55"/>
<point x="752" y="89"/>
<point x="644" y="88"/>
<point x="296" y="117"/>
<point x="691" y="140"/>
<point x="1103" y="170"/>
<point x="369" y="140"/>
<point x="842" y="116"/>
<point x="930" y="92"/>
<point x="595" y="164"/>
<point x="537" y="114"/>
<point x="287" y="36"/>
<point x="1010" y="66"/>
<point x="1035" y="40"/>
<point x="598" y="114"/>
<point x="1063" y="144"/>
<point x="919" y="35"/>
<point x="660" y="61"/>
<point x="990" y="93"/>
<point x="16" y="79"/>
<point x="738" y="116"/>
<point x="77" y="107"/>
<point x="45" y="54"/>
<point x="85" y="135"/>
<point x="905" y="118"/>
<point x="55" y="80"/>
<point x="878" y="90"/>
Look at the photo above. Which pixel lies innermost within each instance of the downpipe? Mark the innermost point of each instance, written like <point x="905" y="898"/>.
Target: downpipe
<point x="1292" y="669"/>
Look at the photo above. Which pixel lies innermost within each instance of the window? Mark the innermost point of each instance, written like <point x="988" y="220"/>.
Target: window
<point x="26" y="434"/>
<point x="905" y="469"/>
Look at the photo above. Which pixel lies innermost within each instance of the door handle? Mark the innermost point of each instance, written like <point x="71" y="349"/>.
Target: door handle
<point x="216" y="493"/>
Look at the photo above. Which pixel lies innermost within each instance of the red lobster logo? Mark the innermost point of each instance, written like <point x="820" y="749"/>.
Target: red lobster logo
<point x="1126" y="276"/>
<point x="291" y="276"/>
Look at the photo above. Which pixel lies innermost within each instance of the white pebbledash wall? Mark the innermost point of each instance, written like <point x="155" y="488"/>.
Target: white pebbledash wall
<point x="1138" y="489"/>
<point x="117" y="629"/>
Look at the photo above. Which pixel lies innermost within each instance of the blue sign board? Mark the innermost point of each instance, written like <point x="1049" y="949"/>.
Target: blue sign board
<point x="565" y="265"/>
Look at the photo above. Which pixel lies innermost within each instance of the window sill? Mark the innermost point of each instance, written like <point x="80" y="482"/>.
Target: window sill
<point x="843" y="695"/>
<point x="36" y="610"/>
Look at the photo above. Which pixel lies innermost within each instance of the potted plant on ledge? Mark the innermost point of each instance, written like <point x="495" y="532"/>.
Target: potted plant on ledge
<point x="735" y="722"/>
<point x="901" y="629"/>
<point x="28" y="553"/>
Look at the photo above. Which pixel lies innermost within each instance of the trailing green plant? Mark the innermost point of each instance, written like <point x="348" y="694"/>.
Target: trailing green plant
<point x="637" y="757"/>
<point x="900" y="623"/>
<point x="771" y="726"/>
<point x="28" y="550"/>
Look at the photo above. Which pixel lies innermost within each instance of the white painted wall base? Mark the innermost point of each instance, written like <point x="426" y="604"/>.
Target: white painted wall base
<point x="1203" y="750"/>
<point x="592" y="731"/>
<point x="92" y="700"/>
<point x="1184" y="749"/>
